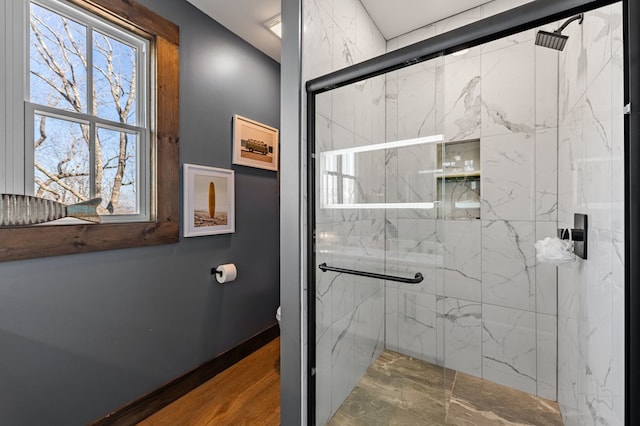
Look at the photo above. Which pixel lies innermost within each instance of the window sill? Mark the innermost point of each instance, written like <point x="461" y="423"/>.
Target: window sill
<point x="42" y="241"/>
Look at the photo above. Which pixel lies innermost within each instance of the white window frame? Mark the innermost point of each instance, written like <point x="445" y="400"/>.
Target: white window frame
<point x="11" y="110"/>
<point x="28" y="242"/>
<point x="24" y="153"/>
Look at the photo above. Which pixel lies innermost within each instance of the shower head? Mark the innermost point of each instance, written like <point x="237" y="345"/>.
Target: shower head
<point x="556" y="40"/>
<point x="553" y="40"/>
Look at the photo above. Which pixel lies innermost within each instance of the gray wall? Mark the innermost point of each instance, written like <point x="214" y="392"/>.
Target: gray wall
<point x="293" y="366"/>
<point x="82" y="335"/>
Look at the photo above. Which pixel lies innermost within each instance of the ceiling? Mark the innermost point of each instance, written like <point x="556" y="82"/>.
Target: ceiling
<point x="246" y="18"/>
<point x="398" y="17"/>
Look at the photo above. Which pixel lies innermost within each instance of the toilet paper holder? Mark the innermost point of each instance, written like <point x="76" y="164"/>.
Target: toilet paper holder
<point x="225" y="273"/>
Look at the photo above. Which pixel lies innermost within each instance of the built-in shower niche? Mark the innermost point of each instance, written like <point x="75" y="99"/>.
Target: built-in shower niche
<point x="459" y="183"/>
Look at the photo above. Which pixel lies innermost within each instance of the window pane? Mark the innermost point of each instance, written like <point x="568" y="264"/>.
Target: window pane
<point x="117" y="171"/>
<point x="61" y="160"/>
<point x="58" y="73"/>
<point x="114" y="77"/>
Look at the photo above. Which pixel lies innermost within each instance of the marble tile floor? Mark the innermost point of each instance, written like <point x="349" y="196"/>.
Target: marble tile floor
<point x="400" y="390"/>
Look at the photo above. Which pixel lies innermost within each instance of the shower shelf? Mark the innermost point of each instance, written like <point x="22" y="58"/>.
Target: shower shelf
<point x="417" y="279"/>
<point x="458" y="187"/>
<point x="460" y="175"/>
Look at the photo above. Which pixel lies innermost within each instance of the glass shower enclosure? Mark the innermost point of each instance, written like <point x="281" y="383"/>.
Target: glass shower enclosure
<point x="377" y="244"/>
<point x="433" y="170"/>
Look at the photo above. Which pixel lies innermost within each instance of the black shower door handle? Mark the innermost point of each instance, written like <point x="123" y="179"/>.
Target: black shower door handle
<point x="415" y="280"/>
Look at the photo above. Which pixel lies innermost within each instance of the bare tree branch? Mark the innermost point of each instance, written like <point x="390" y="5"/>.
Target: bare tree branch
<point x="115" y="83"/>
<point x="99" y="166"/>
<point x="43" y="132"/>
<point x="44" y="187"/>
<point x="117" y="179"/>
<point x="59" y="180"/>
<point x="76" y="47"/>
<point x="69" y="90"/>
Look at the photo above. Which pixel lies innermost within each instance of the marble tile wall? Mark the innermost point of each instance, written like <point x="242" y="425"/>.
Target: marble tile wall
<point x="590" y="167"/>
<point x="350" y="310"/>
<point x="494" y="308"/>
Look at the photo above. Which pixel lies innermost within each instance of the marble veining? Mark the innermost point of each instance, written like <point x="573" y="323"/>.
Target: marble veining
<point x="546" y="175"/>
<point x="417" y="105"/>
<point x="398" y="389"/>
<point x="461" y="270"/>
<point x="507" y="80"/>
<point x="500" y="117"/>
<point x="509" y="347"/>
<point x="462" y="99"/>
<point x="319" y="34"/>
<point x="463" y="336"/>
<point x="417" y="324"/>
<point x="508" y="271"/>
<point x="508" y="177"/>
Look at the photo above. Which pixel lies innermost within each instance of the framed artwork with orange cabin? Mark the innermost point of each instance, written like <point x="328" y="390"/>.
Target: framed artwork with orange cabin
<point x="254" y="144"/>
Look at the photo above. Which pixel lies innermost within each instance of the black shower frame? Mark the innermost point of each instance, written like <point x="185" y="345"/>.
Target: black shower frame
<point x="519" y="19"/>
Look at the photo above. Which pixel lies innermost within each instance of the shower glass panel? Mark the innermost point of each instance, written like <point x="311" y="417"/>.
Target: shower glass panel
<point x="453" y="168"/>
<point x="379" y="172"/>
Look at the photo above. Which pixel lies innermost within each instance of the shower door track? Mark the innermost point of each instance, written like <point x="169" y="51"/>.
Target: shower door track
<point x="527" y="16"/>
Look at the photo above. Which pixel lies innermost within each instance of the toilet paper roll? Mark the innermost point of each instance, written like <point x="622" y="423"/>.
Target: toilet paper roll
<point x="226" y="273"/>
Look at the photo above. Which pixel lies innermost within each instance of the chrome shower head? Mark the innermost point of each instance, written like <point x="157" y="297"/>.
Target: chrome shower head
<point x="556" y="40"/>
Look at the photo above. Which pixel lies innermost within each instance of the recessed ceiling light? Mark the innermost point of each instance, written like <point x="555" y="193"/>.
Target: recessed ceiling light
<point x="275" y="25"/>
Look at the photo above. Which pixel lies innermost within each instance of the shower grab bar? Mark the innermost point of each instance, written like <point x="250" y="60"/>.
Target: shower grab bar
<point x="418" y="277"/>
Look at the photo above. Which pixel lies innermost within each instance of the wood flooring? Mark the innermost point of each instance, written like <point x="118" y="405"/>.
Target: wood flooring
<point x="247" y="393"/>
<point x="397" y="389"/>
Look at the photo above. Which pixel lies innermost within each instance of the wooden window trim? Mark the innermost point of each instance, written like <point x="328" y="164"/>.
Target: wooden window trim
<point x="42" y="241"/>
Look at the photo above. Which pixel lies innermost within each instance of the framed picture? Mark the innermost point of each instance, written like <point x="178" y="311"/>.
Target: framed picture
<point x="209" y="201"/>
<point x="254" y="144"/>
